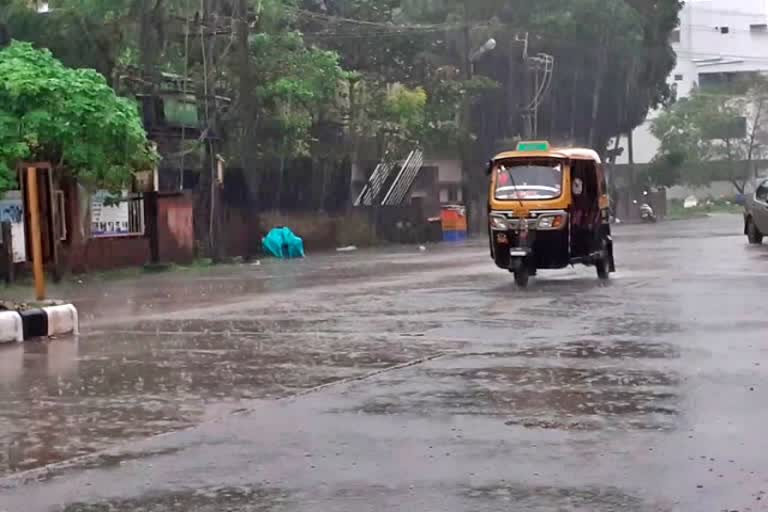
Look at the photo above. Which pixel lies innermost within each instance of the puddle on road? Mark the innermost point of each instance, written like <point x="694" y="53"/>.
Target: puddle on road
<point x="64" y="398"/>
<point x="550" y="409"/>
<point x="594" y="349"/>
<point x="526" y="375"/>
<point x="557" y="397"/>
<point x="328" y="322"/>
<point x="629" y="325"/>
<point x="206" y="500"/>
<point x="546" y="499"/>
<point x="500" y="496"/>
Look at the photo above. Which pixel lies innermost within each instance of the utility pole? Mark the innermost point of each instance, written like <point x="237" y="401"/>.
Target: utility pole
<point x="466" y="122"/>
<point x="212" y="207"/>
<point x="541" y="66"/>
<point x="536" y="84"/>
<point x="246" y="86"/>
<point x="33" y="200"/>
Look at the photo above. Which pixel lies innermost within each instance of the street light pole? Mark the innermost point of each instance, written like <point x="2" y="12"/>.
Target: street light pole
<point x="466" y="108"/>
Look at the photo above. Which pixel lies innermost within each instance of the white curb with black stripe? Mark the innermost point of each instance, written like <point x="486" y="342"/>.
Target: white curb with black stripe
<point x="58" y="320"/>
<point x="11" y="327"/>
<point x="62" y="320"/>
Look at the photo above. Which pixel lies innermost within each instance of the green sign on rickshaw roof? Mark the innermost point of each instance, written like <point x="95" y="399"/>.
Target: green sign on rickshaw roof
<point x="533" y="146"/>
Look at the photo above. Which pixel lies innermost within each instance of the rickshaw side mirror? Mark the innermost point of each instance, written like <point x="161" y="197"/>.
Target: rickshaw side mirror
<point x="489" y="169"/>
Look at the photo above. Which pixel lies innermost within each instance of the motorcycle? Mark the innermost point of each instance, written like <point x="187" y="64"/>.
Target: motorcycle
<point x="647" y="214"/>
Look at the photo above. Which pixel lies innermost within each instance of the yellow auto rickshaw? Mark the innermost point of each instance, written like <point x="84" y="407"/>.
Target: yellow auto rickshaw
<point x="548" y="208"/>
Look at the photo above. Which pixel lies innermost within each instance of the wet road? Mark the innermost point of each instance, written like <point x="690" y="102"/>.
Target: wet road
<point x="402" y="380"/>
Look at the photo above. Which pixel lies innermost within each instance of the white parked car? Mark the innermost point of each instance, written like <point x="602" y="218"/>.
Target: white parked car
<point x="756" y="214"/>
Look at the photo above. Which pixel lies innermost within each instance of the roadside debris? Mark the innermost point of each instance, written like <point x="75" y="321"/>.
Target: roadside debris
<point x="349" y="248"/>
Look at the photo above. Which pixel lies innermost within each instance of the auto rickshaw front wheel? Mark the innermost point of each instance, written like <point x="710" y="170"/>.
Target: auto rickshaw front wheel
<point x="603" y="268"/>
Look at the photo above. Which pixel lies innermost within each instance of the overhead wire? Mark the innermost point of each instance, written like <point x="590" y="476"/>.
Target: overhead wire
<point x="386" y="31"/>
<point x="365" y="23"/>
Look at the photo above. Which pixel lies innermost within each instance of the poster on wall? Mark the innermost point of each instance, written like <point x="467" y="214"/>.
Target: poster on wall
<point x="12" y="210"/>
<point x="108" y="220"/>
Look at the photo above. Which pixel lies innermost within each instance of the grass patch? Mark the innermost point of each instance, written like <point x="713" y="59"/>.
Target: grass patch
<point x="676" y="211"/>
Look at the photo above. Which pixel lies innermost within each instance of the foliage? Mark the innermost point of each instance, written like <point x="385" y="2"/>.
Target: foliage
<point x="69" y="117"/>
<point x="78" y="38"/>
<point x="715" y="128"/>
<point x="298" y="84"/>
<point x="443" y="129"/>
<point x="664" y="170"/>
<point x="612" y="62"/>
<point x="612" y="58"/>
<point x="402" y="115"/>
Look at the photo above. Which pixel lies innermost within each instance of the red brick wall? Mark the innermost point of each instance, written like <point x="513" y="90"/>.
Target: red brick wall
<point x="82" y="254"/>
<point x="109" y="253"/>
<point x="175" y="229"/>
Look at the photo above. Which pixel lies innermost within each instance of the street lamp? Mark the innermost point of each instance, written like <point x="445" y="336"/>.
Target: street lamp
<point x="466" y="164"/>
<point x="488" y="46"/>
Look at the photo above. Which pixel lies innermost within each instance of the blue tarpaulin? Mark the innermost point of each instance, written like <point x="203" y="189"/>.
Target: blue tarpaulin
<point x="283" y="243"/>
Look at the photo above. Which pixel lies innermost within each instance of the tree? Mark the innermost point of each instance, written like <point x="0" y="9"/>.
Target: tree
<point x="69" y="117"/>
<point x="727" y="133"/>
<point x="280" y="62"/>
<point x="612" y="59"/>
<point x="297" y="86"/>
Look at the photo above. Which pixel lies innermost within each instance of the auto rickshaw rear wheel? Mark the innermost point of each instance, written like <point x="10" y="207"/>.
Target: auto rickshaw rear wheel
<point x="754" y="236"/>
<point x="603" y="263"/>
<point x="521" y="276"/>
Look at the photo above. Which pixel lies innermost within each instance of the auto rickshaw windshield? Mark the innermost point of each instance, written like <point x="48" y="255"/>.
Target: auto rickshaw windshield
<point x="529" y="180"/>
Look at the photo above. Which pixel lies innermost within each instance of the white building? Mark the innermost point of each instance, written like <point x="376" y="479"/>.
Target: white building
<point x="718" y="41"/>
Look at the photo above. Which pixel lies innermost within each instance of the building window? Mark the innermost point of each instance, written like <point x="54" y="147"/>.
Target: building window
<point x="724" y="30"/>
<point x="450" y="194"/>
<point x="674" y="37"/>
<point x="678" y="78"/>
<point x="736" y="82"/>
<point x="111" y="217"/>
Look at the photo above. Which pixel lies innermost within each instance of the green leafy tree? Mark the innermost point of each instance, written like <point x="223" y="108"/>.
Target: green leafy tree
<point x="714" y="136"/>
<point x="297" y="86"/>
<point x="395" y="116"/>
<point x="69" y="117"/>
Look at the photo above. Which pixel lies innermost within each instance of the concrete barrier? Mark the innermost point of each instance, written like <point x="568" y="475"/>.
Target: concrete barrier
<point x="62" y="320"/>
<point x="35" y="323"/>
<point x="11" y="327"/>
<point x="17" y="326"/>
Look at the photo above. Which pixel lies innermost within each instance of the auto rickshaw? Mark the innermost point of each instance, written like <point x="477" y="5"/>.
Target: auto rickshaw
<point x="548" y="208"/>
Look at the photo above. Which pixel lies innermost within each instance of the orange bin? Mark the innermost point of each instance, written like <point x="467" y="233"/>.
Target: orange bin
<point x="454" y="223"/>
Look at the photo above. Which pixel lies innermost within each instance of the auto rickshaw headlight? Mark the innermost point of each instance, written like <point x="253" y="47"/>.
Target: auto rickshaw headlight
<point x="499" y="223"/>
<point x="550" y="222"/>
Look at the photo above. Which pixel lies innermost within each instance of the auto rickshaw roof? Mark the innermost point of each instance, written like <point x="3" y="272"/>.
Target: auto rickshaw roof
<point x="541" y="149"/>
